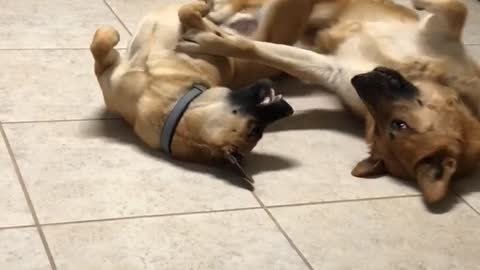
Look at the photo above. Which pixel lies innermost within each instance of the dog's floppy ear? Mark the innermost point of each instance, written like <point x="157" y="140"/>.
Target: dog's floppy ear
<point x="434" y="174"/>
<point x="369" y="167"/>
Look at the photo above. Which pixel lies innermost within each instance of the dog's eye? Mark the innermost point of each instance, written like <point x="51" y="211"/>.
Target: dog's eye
<point x="398" y="125"/>
<point x="255" y="131"/>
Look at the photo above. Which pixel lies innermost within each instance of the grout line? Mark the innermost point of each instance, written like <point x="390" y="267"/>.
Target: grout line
<point x="345" y="201"/>
<point x="290" y="241"/>
<point x="282" y="231"/>
<point x="116" y="16"/>
<point x="467" y="203"/>
<point x="52" y="49"/>
<point x="63" y="120"/>
<point x="44" y="49"/>
<point x="17" y="227"/>
<point x="211" y="211"/>
<point x="28" y="198"/>
<point x="150" y="216"/>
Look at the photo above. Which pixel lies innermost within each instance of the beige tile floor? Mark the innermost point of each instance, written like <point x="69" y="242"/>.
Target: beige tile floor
<point x="79" y="191"/>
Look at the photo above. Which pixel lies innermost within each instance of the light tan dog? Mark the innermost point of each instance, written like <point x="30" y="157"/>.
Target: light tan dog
<point x="144" y="85"/>
<point x="410" y="78"/>
<point x="226" y="9"/>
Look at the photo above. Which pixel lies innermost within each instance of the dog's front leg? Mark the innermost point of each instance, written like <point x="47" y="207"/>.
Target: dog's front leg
<point x="305" y="65"/>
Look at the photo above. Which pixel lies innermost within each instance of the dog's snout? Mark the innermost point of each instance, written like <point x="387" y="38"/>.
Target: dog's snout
<point x="260" y="101"/>
<point x="261" y="88"/>
<point x="383" y="82"/>
<point x="356" y="80"/>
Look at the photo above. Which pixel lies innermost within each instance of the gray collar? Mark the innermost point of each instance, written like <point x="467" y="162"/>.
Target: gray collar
<point x="168" y="130"/>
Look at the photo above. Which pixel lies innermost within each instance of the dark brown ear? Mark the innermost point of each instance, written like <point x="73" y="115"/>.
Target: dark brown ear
<point x="433" y="176"/>
<point x="369" y="167"/>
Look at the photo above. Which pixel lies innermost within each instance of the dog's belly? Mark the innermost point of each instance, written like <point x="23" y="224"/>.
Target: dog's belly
<point x="152" y="65"/>
<point x="380" y="43"/>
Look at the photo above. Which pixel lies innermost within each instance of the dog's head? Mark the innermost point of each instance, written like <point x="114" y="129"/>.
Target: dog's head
<point x="420" y="130"/>
<point x="225" y="124"/>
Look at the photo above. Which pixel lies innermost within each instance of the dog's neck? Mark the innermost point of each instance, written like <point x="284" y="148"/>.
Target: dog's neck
<point x="189" y="143"/>
<point x="176" y="114"/>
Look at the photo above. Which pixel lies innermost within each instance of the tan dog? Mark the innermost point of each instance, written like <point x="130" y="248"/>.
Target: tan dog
<point x="225" y="9"/>
<point x="420" y="106"/>
<point x="144" y="85"/>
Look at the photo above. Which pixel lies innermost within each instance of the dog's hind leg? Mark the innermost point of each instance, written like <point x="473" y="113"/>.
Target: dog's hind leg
<point x="446" y="20"/>
<point x="106" y="60"/>
<point x="102" y="49"/>
<point x="282" y="22"/>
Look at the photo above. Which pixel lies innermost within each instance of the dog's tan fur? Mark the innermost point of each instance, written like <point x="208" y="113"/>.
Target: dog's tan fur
<point x="225" y="9"/>
<point x="145" y="84"/>
<point x="354" y="37"/>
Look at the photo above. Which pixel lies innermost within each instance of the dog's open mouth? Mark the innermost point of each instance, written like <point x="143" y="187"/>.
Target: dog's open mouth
<point x="270" y="98"/>
<point x="262" y="102"/>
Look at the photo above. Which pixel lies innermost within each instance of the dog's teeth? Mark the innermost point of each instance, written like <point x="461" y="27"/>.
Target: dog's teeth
<point x="266" y="101"/>
<point x="271" y="98"/>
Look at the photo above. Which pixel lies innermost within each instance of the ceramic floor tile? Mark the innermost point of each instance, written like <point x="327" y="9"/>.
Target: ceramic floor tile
<point x="98" y="169"/>
<point x="474" y="51"/>
<point x="13" y="207"/>
<point x="131" y="12"/>
<point x="53" y="23"/>
<point x="472" y="28"/>
<point x="22" y="249"/>
<point x="229" y="240"/>
<point x="384" y="234"/>
<point x="308" y="158"/>
<point x="49" y="85"/>
<point x="469" y="189"/>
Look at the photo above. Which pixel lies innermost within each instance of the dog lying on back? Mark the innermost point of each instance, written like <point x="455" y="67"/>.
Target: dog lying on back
<point x="410" y="78"/>
<point x="146" y="84"/>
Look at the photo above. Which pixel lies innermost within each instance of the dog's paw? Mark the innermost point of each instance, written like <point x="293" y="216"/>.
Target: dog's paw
<point x="198" y="41"/>
<point x="213" y="42"/>
<point x="105" y="39"/>
<point x="191" y="15"/>
<point x="210" y="4"/>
